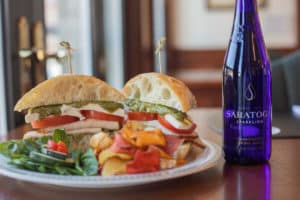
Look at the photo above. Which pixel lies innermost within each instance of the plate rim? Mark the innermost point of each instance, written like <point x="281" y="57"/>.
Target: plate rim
<point x="212" y="150"/>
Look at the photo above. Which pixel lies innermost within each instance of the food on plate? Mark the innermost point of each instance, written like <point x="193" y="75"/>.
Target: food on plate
<point x="81" y="127"/>
<point x="100" y="141"/>
<point x="50" y="154"/>
<point x="138" y="148"/>
<point x="108" y="153"/>
<point x="114" y="166"/>
<point x="75" y="103"/>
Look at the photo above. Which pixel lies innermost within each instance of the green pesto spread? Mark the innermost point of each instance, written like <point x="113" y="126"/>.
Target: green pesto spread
<point x="106" y="105"/>
<point x="140" y="106"/>
<point x="45" y="111"/>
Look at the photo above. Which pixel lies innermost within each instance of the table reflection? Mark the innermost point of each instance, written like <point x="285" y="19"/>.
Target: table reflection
<point x="247" y="182"/>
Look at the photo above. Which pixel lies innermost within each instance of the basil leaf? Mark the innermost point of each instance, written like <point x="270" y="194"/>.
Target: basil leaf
<point x="89" y="163"/>
<point x="60" y="135"/>
<point x="42" y="140"/>
<point x="20" y="154"/>
<point x="76" y="156"/>
<point x="13" y="147"/>
<point x="31" y="145"/>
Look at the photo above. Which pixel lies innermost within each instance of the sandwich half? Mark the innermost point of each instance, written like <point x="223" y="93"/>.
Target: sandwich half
<point x="75" y="103"/>
<point x="160" y="101"/>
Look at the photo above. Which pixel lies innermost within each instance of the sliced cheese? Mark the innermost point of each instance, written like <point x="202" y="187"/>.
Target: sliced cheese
<point x="71" y="111"/>
<point x="176" y="123"/>
<point x="155" y="124"/>
<point x="31" y="117"/>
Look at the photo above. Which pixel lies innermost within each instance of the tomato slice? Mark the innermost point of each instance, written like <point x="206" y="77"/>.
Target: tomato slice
<point x="92" y="114"/>
<point x="169" y="126"/>
<point x="62" y="147"/>
<point x="142" y="116"/>
<point x="53" y="121"/>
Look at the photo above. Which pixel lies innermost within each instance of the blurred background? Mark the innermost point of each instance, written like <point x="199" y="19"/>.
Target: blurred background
<point x="116" y="39"/>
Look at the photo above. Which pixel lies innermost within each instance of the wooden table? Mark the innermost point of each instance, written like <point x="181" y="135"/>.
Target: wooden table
<point x="280" y="179"/>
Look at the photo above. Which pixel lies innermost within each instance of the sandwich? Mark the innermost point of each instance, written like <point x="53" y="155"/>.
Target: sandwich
<point x="161" y="100"/>
<point x="75" y="103"/>
<point x="158" y="101"/>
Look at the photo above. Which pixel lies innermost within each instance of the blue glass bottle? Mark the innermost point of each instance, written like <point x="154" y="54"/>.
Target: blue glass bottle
<point x="247" y="90"/>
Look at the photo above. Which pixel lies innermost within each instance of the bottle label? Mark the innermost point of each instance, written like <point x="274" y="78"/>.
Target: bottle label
<point x="251" y="110"/>
<point x="251" y="143"/>
<point x="247" y="117"/>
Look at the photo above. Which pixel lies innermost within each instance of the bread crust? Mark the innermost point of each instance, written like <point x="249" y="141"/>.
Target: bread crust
<point x="160" y="89"/>
<point x="67" y="89"/>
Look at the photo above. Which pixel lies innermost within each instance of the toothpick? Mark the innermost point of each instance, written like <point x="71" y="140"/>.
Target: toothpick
<point x="159" y="49"/>
<point x="69" y="49"/>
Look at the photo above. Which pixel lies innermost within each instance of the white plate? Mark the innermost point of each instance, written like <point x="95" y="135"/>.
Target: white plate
<point x="201" y="161"/>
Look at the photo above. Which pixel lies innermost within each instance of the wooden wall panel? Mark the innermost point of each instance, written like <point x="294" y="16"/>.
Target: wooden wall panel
<point x="138" y="37"/>
<point x="179" y="59"/>
<point x="207" y="94"/>
<point x="207" y="59"/>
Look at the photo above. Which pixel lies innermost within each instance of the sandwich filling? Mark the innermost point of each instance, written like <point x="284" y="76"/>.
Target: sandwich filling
<point x="78" y="115"/>
<point x="136" y="105"/>
<point x="170" y="120"/>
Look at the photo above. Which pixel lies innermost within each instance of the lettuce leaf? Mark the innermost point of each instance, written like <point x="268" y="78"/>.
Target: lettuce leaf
<point x="18" y="152"/>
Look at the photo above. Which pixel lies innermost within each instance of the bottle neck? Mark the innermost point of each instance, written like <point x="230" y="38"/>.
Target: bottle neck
<point x="246" y="36"/>
<point x="246" y="12"/>
<point x="245" y="6"/>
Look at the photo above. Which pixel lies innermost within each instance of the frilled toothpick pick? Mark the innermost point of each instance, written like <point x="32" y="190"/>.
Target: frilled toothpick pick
<point x="69" y="50"/>
<point x="160" y="47"/>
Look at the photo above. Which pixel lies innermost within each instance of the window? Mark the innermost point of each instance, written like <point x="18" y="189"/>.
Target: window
<point x="3" y="128"/>
<point x="69" y="20"/>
